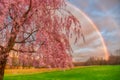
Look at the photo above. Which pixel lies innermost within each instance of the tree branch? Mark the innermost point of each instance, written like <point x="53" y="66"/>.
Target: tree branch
<point x="5" y="26"/>
<point x="25" y="14"/>
<point x="23" y="51"/>
<point x="1" y="47"/>
<point x="23" y="41"/>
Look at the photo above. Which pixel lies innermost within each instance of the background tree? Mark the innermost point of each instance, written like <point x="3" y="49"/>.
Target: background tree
<point x="40" y="27"/>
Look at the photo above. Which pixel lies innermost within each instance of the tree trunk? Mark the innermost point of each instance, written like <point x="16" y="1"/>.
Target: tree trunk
<point x="2" y="67"/>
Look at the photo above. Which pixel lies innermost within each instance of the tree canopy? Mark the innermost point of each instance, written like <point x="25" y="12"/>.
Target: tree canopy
<point x="39" y="28"/>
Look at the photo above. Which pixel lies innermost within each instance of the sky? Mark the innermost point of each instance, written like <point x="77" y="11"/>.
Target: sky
<point x="106" y="16"/>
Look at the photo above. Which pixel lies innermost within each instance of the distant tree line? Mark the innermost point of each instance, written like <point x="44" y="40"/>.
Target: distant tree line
<point x="30" y="61"/>
<point x="113" y="60"/>
<point x="23" y="61"/>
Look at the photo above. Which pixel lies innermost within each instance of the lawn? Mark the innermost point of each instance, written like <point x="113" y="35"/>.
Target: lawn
<point x="81" y="73"/>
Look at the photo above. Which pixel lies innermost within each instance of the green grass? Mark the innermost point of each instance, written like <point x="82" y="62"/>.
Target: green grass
<point x="84" y="73"/>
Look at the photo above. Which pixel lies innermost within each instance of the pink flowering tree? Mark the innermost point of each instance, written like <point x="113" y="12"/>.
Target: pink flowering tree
<point x="40" y="27"/>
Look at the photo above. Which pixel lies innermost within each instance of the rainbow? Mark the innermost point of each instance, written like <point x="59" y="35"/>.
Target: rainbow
<point x="106" y="52"/>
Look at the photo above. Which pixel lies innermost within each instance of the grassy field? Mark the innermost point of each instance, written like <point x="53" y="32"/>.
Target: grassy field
<point x="82" y="73"/>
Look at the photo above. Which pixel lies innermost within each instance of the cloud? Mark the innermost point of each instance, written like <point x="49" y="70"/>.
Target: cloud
<point x="106" y="15"/>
